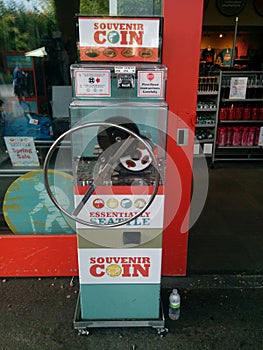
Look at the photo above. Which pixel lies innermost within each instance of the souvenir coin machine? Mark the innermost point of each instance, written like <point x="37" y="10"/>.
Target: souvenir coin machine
<point x="118" y="141"/>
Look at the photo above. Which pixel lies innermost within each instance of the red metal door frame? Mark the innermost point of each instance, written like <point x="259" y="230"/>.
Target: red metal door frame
<point x="57" y="255"/>
<point x="181" y="53"/>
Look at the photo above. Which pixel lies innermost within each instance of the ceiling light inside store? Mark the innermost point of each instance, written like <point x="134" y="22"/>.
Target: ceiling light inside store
<point x="221" y="35"/>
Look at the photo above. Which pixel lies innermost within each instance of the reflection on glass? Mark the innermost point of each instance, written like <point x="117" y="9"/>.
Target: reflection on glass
<point x="137" y="8"/>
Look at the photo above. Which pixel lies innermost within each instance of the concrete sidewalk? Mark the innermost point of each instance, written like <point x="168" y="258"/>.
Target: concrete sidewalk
<point x="227" y="238"/>
<point x="219" y="312"/>
<point x="216" y="314"/>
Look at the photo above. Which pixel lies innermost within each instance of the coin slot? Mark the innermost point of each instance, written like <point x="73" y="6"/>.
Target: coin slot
<point x="182" y="137"/>
<point x="131" y="238"/>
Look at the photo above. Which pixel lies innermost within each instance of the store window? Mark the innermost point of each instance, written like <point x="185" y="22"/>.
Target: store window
<point x="37" y="46"/>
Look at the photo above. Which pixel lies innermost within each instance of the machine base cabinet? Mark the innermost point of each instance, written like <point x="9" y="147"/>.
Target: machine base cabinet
<point x="82" y="325"/>
<point x="117" y="300"/>
<point x="120" y="283"/>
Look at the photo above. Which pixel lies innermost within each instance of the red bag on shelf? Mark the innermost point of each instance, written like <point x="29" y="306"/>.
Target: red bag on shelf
<point x="256" y="139"/>
<point x="229" y="136"/>
<point x="251" y="136"/>
<point x="231" y="113"/>
<point x="255" y="113"/>
<point x="244" y="137"/>
<point x="221" y="140"/>
<point x="223" y="113"/>
<point x="237" y="136"/>
<point x="239" y="113"/>
<point x="246" y="113"/>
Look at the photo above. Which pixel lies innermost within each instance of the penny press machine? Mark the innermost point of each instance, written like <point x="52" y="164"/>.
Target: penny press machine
<point x="118" y="144"/>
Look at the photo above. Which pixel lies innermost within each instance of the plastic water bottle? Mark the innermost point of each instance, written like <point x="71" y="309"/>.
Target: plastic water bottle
<point x="174" y="305"/>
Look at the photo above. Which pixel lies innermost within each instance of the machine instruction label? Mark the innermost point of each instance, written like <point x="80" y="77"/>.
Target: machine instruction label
<point x="150" y="84"/>
<point x="125" y="69"/>
<point x="93" y="83"/>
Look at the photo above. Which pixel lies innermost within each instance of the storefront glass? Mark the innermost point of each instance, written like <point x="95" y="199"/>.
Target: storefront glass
<point x="37" y="46"/>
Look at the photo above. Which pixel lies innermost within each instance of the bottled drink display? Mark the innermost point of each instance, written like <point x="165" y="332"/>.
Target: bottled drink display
<point x="239" y="118"/>
<point x="174" y="305"/>
<point x="238" y="136"/>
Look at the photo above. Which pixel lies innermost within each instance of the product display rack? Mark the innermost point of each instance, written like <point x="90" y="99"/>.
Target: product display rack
<point x="206" y="111"/>
<point x="240" y="117"/>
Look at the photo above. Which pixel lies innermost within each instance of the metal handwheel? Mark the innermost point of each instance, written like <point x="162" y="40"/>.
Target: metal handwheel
<point x="121" y="147"/>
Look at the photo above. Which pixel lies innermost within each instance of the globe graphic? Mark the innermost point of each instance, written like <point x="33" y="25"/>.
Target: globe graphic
<point x="113" y="37"/>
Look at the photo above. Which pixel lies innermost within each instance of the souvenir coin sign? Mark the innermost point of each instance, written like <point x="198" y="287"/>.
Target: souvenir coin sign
<point x="119" y="39"/>
<point x="29" y="210"/>
<point x="230" y="7"/>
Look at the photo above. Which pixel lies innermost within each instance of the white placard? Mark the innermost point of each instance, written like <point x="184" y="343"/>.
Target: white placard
<point x="196" y="148"/>
<point x="260" y="139"/>
<point x="125" y="69"/>
<point x="238" y="88"/>
<point x="22" y="151"/>
<point x="150" y="84"/>
<point x="110" y="209"/>
<point x="208" y="148"/>
<point x="111" y="266"/>
<point x="92" y="83"/>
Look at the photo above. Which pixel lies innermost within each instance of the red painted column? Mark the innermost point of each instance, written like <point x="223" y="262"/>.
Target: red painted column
<point x="181" y="54"/>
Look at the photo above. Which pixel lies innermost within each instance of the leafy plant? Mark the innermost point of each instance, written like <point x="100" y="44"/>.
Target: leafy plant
<point x="22" y="30"/>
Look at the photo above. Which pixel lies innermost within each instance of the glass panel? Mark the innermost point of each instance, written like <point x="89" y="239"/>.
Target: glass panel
<point x="37" y="47"/>
<point x="136" y="8"/>
<point x="34" y="66"/>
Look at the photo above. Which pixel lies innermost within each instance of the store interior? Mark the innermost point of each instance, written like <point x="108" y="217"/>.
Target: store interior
<point x="226" y="26"/>
<point x="226" y="238"/>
